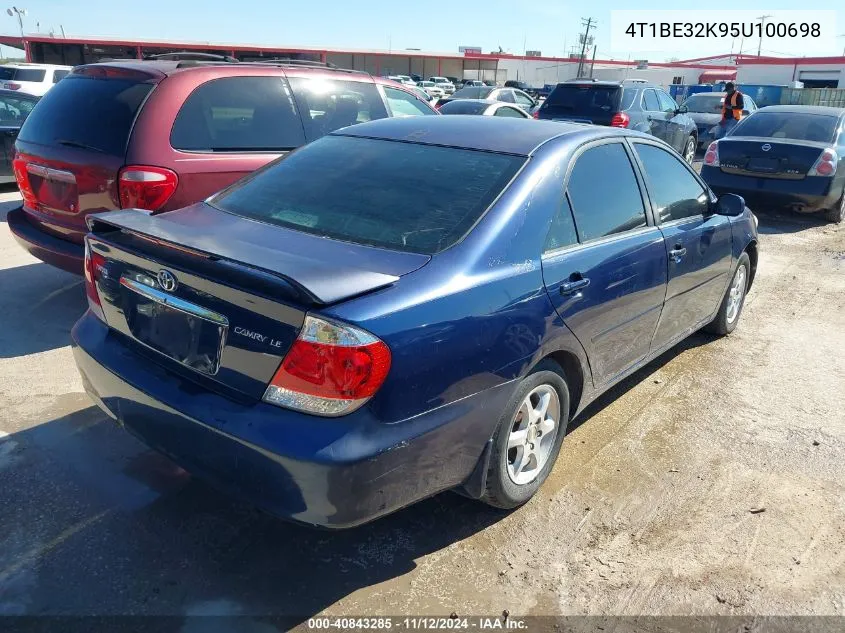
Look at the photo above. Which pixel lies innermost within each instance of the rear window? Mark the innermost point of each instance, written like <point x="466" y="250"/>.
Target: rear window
<point x="586" y="99"/>
<point x="401" y="196"/>
<point x="472" y="92"/>
<point x="22" y="74"/>
<point x="463" y="107"/>
<point x="238" y="114"/>
<point x="88" y="112"/>
<point x="329" y="104"/>
<point x="798" y="126"/>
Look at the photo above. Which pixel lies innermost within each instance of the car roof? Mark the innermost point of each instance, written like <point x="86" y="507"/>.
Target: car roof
<point x="491" y="134"/>
<point x="805" y="109"/>
<point x="18" y="93"/>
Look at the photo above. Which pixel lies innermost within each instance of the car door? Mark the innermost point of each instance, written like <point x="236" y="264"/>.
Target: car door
<point x="676" y="124"/>
<point x="655" y="117"/>
<point x="605" y="262"/>
<point x="697" y="242"/>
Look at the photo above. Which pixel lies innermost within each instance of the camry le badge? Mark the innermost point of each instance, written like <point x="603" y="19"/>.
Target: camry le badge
<point x="167" y="280"/>
<point x="766" y="147"/>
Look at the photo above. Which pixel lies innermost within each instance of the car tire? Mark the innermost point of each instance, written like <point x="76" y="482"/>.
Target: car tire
<point x="734" y="300"/>
<point x="690" y="149"/>
<point x="516" y="471"/>
<point x="837" y="213"/>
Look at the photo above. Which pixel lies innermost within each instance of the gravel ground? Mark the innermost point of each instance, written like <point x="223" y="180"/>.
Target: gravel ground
<point x="711" y="482"/>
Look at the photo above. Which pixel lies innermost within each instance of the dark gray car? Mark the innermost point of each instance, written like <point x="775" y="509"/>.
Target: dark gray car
<point x="705" y="108"/>
<point x="14" y="108"/>
<point x="632" y="104"/>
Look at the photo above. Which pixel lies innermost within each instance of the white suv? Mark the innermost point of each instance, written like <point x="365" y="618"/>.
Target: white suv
<point x="32" y="79"/>
<point x="444" y="84"/>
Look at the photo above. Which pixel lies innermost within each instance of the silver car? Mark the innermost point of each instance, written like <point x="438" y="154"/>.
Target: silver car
<point x="705" y="108"/>
<point x="483" y="107"/>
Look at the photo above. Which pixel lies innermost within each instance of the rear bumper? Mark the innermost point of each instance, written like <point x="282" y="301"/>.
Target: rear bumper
<point x="810" y="195"/>
<point x="331" y="472"/>
<point x="52" y="250"/>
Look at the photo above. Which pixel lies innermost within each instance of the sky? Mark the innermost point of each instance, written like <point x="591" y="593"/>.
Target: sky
<point x="549" y="26"/>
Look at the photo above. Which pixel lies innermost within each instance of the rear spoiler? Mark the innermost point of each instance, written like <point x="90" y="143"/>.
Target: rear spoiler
<point x="316" y="277"/>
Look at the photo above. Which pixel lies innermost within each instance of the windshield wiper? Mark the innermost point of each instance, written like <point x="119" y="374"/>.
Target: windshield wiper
<point x="69" y="143"/>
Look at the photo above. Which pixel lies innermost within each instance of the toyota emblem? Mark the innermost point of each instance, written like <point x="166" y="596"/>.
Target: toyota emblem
<point x="167" y="280"/>
<point x="766" y="147"/>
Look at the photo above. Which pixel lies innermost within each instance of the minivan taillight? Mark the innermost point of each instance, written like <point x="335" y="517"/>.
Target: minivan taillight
<point x="620" y="119"/>
<point x="146" y="187"/>
<point x="330" y="370"/>
<point x="22" y="177"/>
<point x="95" y="265"/>
<point x="826" y="164"/>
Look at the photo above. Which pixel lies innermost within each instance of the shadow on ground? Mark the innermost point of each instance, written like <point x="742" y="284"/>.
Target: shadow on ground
<point x="779" y="223"/>
<point x="84" y="500"/>
<point x="39" y="305"/>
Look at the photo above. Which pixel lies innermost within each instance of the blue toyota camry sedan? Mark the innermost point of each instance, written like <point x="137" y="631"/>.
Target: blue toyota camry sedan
<point x="404" y="307"/>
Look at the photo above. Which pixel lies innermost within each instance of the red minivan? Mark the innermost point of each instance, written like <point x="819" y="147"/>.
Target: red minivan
<point x="160" y="135"/>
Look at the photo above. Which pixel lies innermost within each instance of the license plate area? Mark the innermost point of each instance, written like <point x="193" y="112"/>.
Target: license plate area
<point x="185" y="332"/>
<point x="764" y="165"/>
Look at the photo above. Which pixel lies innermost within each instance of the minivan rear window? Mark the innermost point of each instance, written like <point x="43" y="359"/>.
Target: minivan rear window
<point x="87" y="112"/>
<point x="22" y="74"/>
<point x="395" y="195"/>
<point x="586" y="99"/>
<point x="798" y="126"/>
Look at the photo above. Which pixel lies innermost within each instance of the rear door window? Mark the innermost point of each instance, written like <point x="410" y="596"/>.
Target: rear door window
<point x="87" y="112"/>
<point x="509" y="112"/>
<point x="650" y="101"/>
<point x="328" y="104"/>
<point x="667" y="103"/>
<point x="675" y="192"/>
<point x="238" y="114"/>
<point x="22" y="74"/>
<point x="14" y="110"/>
<point x="403" y="104"/>
<point x="523" y="99"/>
<point x="401" y="196"/>
<point x="600" y="210"/>
<point x="562" y="231"/>
<point x="506" y="96"/>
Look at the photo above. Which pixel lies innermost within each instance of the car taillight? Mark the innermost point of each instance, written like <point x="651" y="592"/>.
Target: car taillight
<point x="711" y="157"/>
<point x="144" y="187"/>
<point x="22" y="177"/>
<point x="12" y="86"/>
<point x="95" y="266"/>
<point x="620" y="119"/>
<point x="331" y="369"/>
<point x="826" y="164"/>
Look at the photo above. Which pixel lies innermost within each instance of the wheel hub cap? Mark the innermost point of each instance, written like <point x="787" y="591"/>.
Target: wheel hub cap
<point x="533" y="432"/>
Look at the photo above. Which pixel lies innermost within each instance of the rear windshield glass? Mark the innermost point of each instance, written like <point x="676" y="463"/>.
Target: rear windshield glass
<point x="87" y="112"/>
<point x="704" y="104"/>
<point x="472" y="92"/>
<point x="463" y="107"/>
<point x="22" y="74"/>
<point x="401" y="196"/>
<point x="586" y="99"/>
<point x="795" y="125"/>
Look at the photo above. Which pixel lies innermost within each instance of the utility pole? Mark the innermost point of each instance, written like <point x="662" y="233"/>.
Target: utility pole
<point x="762" y="19"/>
<point x="588" y="23"/>
<point x="593" y="64"/>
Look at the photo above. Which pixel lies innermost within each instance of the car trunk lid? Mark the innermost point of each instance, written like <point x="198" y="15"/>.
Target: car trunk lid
<point x="225" y="305"/>
<point x="769" y="158"/>
<point x="71" y="148"/>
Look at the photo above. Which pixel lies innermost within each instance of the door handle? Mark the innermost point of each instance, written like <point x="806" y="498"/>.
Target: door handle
<point x="576" y="282"/>
<point x="677" y="253"/>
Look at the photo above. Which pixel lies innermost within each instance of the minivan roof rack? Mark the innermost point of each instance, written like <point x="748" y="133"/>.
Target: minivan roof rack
<point x="635" y="81"/>
<point x="191" y="56"/>
<point x="303" y="63"/>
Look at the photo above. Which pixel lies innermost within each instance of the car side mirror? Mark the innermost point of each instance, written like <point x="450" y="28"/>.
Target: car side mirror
<point x="682" y="109"/>
<point x="745" y="112"/>
<point x="730" y="204"/>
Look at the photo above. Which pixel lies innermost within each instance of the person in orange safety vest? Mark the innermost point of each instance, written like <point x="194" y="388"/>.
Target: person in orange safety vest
<point x="732" y="108"/>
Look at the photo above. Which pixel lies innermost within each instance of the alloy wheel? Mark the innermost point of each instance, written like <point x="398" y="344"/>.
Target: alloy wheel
<point x="533" y="432"/>
<point x="736" y="294"/>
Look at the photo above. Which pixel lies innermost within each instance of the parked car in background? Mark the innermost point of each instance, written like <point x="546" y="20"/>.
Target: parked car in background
<point x="444" y="84"/>
<point x="521" y="85"/>
<point x="483" y="107"/>
<point x="705" y="108"/>
<point x="472" y="82"/>
<point x="507" y="95"/>
<point x="431" y="89"/>
<point x="636" y="105"/>
<point x="160" y="135"/>
<point x="266" y="338"/>
<point x="421" y="94"/>
<point x="454" y="81"/>
<point x="33" y="79"/>
<point x="403" y="79"/>
<point x="14" y="109"/>
<point x="784" y="157"/>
